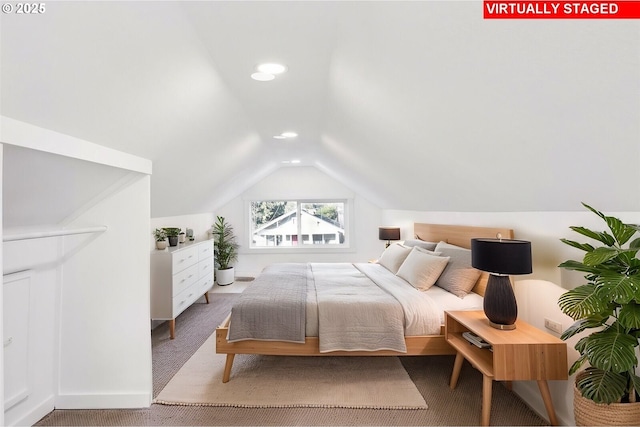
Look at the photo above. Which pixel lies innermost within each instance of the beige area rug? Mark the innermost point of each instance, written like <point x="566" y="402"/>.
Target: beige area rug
<point x="288" y="381"/>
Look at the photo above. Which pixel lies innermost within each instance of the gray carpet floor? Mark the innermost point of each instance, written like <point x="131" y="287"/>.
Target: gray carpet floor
<point x="430" y="374"/>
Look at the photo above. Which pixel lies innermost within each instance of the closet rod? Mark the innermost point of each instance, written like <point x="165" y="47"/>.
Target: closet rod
<point x="53" y="233"/>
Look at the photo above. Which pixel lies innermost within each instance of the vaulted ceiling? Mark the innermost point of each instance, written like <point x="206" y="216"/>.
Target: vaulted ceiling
<point x="414" y="105"/>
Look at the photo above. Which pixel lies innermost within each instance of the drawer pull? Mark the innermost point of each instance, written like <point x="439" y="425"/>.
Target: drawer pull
<point x="191" y="294"/>
<point x="8" y="341"/>
<point x="183" y="280"/>
<point x="190" y="276"/>
<point x="182" y="302"/>
<point x="190" y="256"/>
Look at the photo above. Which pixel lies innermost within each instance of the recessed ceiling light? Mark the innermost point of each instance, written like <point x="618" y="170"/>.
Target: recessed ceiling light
<point x="286" y="162"/>
<point x="286" y="135"/>
<point x="272" y="68"/>
<point x="262" y="77"/>
<point x="294" y="161"/>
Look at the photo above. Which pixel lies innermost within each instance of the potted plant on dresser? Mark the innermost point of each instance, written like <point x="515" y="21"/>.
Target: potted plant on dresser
<point x="161" y="238"/>
<point x="225" y="250"/>
<point x="172" y="234"/>
<point x="606" y="392"/>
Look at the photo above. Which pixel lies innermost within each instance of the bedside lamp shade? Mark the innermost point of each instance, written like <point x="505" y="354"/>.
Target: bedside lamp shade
<point x="501" y="258"/>
<point x="389" y="234"/>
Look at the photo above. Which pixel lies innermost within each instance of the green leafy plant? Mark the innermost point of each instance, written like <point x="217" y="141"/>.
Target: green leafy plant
<point x="609" y="303"/>
<point x="171" y="231"/>
<point x="160" y="235"/>
<point x="225" y="247"/>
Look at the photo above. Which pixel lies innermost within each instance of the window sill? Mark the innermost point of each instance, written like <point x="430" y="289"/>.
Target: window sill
<point x="298" y="250"/>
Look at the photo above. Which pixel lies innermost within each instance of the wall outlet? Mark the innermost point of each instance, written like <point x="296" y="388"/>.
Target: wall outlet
<point x="553" y="325"/>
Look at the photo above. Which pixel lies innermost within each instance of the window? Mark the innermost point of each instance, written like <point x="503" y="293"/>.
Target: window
<point x="298" y="224"/>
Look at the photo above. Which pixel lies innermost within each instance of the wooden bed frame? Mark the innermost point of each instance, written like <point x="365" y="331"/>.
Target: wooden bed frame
<point x="458" y="235"/>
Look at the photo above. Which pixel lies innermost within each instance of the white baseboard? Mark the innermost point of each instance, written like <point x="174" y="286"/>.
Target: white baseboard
<point x="103" y="401"/>
<point x="530" y="394"/>
<point x="11" y="418"/>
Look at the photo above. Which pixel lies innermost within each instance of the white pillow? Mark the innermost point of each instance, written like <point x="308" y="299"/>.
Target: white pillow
<point x="421" y="268"/>
<point x="393" y="257"/>
<point x="420" y="244"/>
<point x="459" y="277"/>
<point x="426" y="251"/>
<point x="444" y="245"/>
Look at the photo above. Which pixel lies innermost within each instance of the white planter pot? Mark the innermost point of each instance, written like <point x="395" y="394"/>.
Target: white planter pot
<point x="162" y="245"/>
<point x="225" y="277"/>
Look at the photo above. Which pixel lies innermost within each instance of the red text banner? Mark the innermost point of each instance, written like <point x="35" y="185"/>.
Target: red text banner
<point x="561" y="10"/>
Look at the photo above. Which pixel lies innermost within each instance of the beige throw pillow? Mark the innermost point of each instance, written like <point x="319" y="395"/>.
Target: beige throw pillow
<point x="421" y="268"/>
<point x="458" y="277"/>
<point x="393" y="257"/>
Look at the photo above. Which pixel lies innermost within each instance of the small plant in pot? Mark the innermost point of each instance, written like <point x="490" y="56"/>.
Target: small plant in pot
<point x="172" y="235"/>
<point x="161" y="238"/>
<point x="609" y="303"/>
<point x="225" y="249"/>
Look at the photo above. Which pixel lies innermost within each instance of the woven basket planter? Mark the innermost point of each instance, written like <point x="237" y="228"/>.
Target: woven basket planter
<point x="589" y="413"/>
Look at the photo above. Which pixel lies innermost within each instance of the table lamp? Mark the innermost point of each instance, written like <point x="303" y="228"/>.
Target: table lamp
<point x="501" y="258"/>
<point x="388" y="234"/>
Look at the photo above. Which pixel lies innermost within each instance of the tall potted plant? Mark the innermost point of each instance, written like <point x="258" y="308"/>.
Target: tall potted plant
<point x="606" y="392"/>
<point x="225" y="249"/>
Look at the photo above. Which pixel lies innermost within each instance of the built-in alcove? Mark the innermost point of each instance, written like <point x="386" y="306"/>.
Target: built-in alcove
<point x="76" y="216"/>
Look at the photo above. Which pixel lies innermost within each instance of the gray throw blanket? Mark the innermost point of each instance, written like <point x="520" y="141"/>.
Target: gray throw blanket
<point x="355" y="313"/>
<point x="268" y="312"/>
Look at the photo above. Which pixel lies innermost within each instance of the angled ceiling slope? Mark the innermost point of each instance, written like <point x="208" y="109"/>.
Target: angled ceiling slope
<point x="48" y="178"/>
<point x="51" y="188"/>
<point x="414" y="105"/>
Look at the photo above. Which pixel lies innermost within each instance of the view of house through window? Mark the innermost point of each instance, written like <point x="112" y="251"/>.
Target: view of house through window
<point x="280" y="223"/>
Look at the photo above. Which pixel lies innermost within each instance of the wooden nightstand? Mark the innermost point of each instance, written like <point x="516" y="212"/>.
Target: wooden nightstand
<point x="524" y="353"/>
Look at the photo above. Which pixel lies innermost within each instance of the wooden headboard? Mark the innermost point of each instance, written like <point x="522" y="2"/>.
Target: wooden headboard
<point x="460" y="235"/>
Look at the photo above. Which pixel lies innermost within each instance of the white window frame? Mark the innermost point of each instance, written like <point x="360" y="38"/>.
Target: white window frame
<point x="349" y="228"/>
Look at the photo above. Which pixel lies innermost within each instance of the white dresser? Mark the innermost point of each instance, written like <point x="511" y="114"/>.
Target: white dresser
<point x="179" y="276"/>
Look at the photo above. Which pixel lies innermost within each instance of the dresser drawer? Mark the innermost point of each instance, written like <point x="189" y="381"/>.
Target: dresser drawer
<point x="184" y="258"/>
<point x="205" y="268"/>
<point x="184" y="279"/>
<point x="205" y="250"/>
<point x="185" y="298"/>
<point x="204" y="284"/>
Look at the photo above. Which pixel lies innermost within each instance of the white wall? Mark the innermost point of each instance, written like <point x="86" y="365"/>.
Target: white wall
<point x="303" y="183"/>
<point x="105" y="340"/>
<point x="2" y="422"/>
<point x="537" y="300"/>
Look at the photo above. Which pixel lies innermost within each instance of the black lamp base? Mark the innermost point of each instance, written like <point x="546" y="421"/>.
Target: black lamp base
<point x="500" y="303"/>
